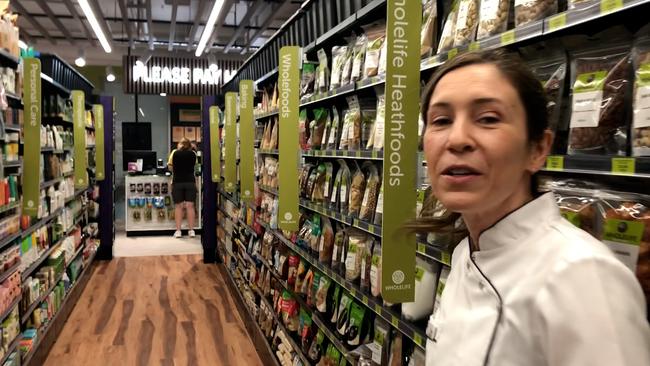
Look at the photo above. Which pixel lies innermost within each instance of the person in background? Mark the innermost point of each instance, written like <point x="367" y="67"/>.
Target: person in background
<point x="526" y="287"/>
<point x="183" y="160"/>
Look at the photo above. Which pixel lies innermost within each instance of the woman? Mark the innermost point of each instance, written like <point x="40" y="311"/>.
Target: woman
<point x="183" y="160"/>
<point x="526" y="287"/>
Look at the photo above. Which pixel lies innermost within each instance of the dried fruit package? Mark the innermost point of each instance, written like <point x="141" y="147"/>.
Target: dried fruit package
<point x="466" y="22"/>
<point x="337" y="248"/>
<point x="449" y="29"/>
<point x="378" y="133"/>
<point x="376" y="35"/>
<point x="339" y="57"/>
<point x="552" y="74"/>
<point x="600" y="87"/>
<point x="318" y="128"/>
<point x="528" y="11"/>
<point x="318" y="192"/>
<point x="356" y="247"/>
<point x="327" y="186"/>
<point x="353" y="120"/>
<point x="326" y="242"/>
<point x="357" y="190"/>
<point x="344" y="190"/>
<point x="274" y="134"/>
<point x="369" y="203"/>
<point x="366" y="264"/>
<point x="429" y="30"/>
<point x="641" y="99"/>
<point x="326" y="131"/>
<point x="321" y="295"/>
<point x="493" y="18"/>
<point x="336" y="190"/>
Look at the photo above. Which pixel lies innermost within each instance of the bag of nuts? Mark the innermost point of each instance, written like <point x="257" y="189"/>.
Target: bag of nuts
<point x="641" y="106"/>
<point x="600" y="87"/>
<point x="493" y="18"/>
<point x="552" y="73"/>
<point x="449" y="29"/>
<point x="428" y="33"/>
<point x="466" y="22"/>
<point x="527" y="11"/>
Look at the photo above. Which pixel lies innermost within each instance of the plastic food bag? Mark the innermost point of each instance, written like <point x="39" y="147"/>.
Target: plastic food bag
<point x="308" y="77"/>
<point x="359" y="58"/>
<point x="323" y="72"/>
<point x="493" y="18"/>
<point x="366" y="264"/>
<point x="598" y="124"/>
<point x="579" y="207"/>
<point x="369" y="203"/>
<point x="339" y="57"/>
<point x="376" y="37"/>
<point x="429" y="31"/>
<point x="552" y="74"/>
<point x="449" y="29"/>
<point x="303" y="126"/>
<point x="466" y="22"/>
<point x="426" y="279"/>
<point x="357" y="190"/>
<point x="326" y="243"/>
<point x="346" y="73"/>
<point x="368" y="118"/>
<point x="356" y="247"/>
<point x="528" y="11"/>
<point x="318" y="129"/>
<point x="337" y="248"/>
<point x="335" y="128"/>
<point x="375" y="270"/>
<point x="641" y="99"/>
<point x="344" y="190"/>
<point x="353" y="120"/>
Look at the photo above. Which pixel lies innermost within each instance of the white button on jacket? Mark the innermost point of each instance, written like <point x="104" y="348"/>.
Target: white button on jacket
<point x="539" y="292"/>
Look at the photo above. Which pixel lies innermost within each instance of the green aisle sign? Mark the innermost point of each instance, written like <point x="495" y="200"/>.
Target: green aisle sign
<point x="289" y="90"/>
<point x="32" y="136"/>
<point x="98" y="111"/>
<point x="230" y="141"/>
<point x="80" y="153"/>
<point x="400" y="149"/>
<point x="246" y="140"/>
<point x="215" y="144"/>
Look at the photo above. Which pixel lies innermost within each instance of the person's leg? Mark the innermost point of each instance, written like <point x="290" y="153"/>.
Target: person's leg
<point x="179" y="215"/>
<point x="177" y="195"/>
<point x="190" y="198"/>
<point x="189" y="206"/>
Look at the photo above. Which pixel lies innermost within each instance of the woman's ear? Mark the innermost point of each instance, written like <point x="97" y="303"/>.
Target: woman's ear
<point x="539" y="151"/>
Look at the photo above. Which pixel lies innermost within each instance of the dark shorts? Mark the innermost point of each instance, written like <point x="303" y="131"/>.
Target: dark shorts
<point x="184" y="192"/>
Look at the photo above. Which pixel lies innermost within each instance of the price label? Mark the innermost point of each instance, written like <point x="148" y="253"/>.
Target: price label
<point x="446" y="258"/>
<point x="557" y="21"/>
<point x="353" y="292"/>
<point x="358" y="154"/>
<point x="371" y="229"/>
<point x="607" y="6"/>
<point x="374" y="154"/>
<point x="555" y="163"/>
<point x="508" y="37"/>
<point x="623" y="166"/>
<point x="452" y="53"/>
<point x="421" y="248"/>
<point x="395" y="321"/>
<point x="364" y="300"/>
<point x="474" y="46"/>
<point x="418" y="339"/>
<point x="378" y="309"/>
<point x="356" y="222"/>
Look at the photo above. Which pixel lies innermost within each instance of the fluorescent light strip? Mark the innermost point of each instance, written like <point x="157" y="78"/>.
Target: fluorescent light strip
<point x="209" y="26"/>
<point x="88" y="12"/>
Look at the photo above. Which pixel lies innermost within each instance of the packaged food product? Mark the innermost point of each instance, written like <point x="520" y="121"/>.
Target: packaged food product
<point x="266" y="137"/>
<point x="301" y="274"/>
<point x="378" y="134"/>
<point x="379" y="211"/>
<point x="308" y="282"/>
<point x="375" y="270"/>
<point x="418" y="358"/>
<point x="311" y="292"/>
<point x="493" y="18"/>
<point x="290" y="312"/>
<point x="308" y="77"/>
<point x="318" y="129"/>
<point x="326" y="243"/>
<point x="579" y="207"/>
<point x="356" y="247"/>
<point x="304" y="178"/>
<point x="339" y="57"/>
<point x="598" y="124"/>
<point x="343" y="315"/>
<point x="426" y="279"/>
<point x="466" y="22"/>
<point x="321" y="294"/>
<point x="369" y="203"/>
<point x="376" y="36"/>
<point x="395" y="358"/>
<point x="353" y="121"/>
<point x="641" y="99"/>
<point x="346" y="74"/>
<point x="366" y="264"/>
<point x="344" y="189"/>
<point x="345" y="130"/>
<point x="552" y="72"/>
<point x="305" y="331"/>
<point x="274" y="134"/>
<point x="335" y="130"/>
<point x="357" y="190"/>
<point x="303" y="128"/>
<point x="368" y="117"/>
<point x="318" y="192"/>
<point x="293" y="261"/>
<point x="429" y="30"/>
<point x="323" y="72"/>
<point x="381" y="342"/>
<point x="326" y="131"/>
<point x="337" y="247"/>
<point x="359" y="58"/>
<point x="336" y="190"/>
<point x="316" y="349"/>
<point x="315" y="235"/>
<point x="449" y="29"/>
<point x="357" y="328"/>
<point x="327" y="185"/>
<point x="382" y="58"/>
<point x="528" y="11"/>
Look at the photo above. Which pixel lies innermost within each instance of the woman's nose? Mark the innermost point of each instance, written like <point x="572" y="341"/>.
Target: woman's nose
<point x="460" y="137"/>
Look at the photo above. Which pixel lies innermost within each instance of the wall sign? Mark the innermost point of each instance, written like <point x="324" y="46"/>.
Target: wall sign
<point x="80" y="153"/>
<point x="215" y="144"/>
<point x="176" y="76"/>
<point x="98" y="112"/>
<point x="230" y="141"/>
<point x="289" y="89"/>
<point x="400" y="148"/>
<point x="32" y="136"/>
<point x="246" y="140"/>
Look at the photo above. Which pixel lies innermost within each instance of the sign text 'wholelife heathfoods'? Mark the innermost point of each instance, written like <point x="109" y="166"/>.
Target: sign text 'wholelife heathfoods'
<point x="79" y="128"/>
<point x="98" y="112"/>
<point x="215" y="144"/>
<point x="400" y="148"/>
<point x="289" y="90"/>
<point x="32" y="136"/>
<point x="246" y="141"/>
<point x="230" y="142"/>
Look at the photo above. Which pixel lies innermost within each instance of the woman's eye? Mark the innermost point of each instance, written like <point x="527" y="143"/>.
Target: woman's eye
<point x="488" y="120"/>
<point x="439" y="121"/>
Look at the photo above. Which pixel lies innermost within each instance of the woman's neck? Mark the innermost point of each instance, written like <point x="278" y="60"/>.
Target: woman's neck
<point x="479" y="221"/>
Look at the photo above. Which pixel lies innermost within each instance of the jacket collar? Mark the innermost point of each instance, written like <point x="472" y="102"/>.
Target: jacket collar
<point x="515" y="227"/>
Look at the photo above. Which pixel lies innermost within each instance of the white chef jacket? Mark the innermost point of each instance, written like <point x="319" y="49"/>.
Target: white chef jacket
<point x="539" y="292"/>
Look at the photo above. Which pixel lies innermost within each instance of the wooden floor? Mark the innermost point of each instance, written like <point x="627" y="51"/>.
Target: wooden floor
<point x="169" y="310"/>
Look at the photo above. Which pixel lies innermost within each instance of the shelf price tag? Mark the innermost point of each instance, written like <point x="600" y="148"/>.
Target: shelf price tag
<point x="623" y="166"/>
<point x="400" y="148"/>
<point x="418" y="339"/>
<point x="607" y="6"/>
<point x="452" y="53"/>
<point x="80" y="154"/>
<point x="230" y="142"/>
<point x="364" y="300"/>
<point x="378" y="309"/>
<point x="98" y="111"/>
<point x="289" y="90"/>
<point x="395" y="321"/>
<point x="247" y="140"/>
<point x="422" y="248"/>
<point x="557" y="21"/>
<point x="215" y="144"/>
<point x="508" y="37"/>
<point x="32" y="136"/>
<point x="446" y="258"/>
<point x="555" y="163"/>
<point x="474" y="46"/>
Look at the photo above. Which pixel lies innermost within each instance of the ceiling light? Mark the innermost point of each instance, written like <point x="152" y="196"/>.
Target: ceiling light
<point x="163" y="94"/>
<point x="141" y="112"/>
<point x="22" y="44"/>
<point x="81" y="60"/>
<point x="110" y="76"/>
<point x="209" y="27"/>
<point x="88" y="12"/>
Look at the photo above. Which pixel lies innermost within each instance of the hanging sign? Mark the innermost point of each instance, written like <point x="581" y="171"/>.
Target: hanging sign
<point x="230" y="141"/>
<point x="400" y="149"/>
<point x="80" y="154"/>
<point x="32" y="136"/>
<point x="215" y="144"/>
<point x="289" y="90"/>
<point x="98" y="111"/>
<point x="246" y="140"/>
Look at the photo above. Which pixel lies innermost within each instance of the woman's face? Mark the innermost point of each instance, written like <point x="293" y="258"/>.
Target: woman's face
<point x="475" y="142"/>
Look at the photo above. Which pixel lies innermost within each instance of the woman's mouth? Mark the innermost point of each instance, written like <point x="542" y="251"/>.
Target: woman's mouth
<point x="460" y="174"/>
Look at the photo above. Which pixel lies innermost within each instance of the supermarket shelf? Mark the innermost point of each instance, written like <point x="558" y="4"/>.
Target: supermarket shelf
<point x="268" y="152"/>
<point x="264" y="115"/>
<point x="7" y="58"/>
<point x="12" y="164"/>
<point x="268" y="75"/>
<point x="9" y="207"/>
<point x="317" y="98"/>
<point x="359" y="224"/>
<point x="57" y="120"/>
<point x="223" y="211"/>
<point x="62" y="89"/>
<point x="32" y="267"/>
<point x="13" y="97"/>
<point x="598" y="9"/>
<point x="248" y="228"/>
<point x="434" y="252"/>
<point x="371" y="81"/>
<point x="228" y="196"/>
<point x="12" y="128"/>
<point x="9" y="239"/>
<point x="41" y="223"/>
<point x="52" y="182"/>
<point x="599" y="165"/>
<point x="376" y="305"/>
<point x="25" y="316"/>
<point x="269" y="189"/>
<point x="6" y="275"/>
<point x="360" y="154"/>
<point x="9" y="310"/>
<point x="12" y="347"/>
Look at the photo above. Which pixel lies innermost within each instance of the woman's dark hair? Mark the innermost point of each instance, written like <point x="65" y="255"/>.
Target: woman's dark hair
<point x="532" y="96"/>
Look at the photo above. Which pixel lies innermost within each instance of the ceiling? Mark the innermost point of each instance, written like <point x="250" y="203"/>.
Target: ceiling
<point x="147" y="26"/>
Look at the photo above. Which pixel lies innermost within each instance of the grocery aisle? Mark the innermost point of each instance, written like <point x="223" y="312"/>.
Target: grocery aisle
<point x="169" y="310"/>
